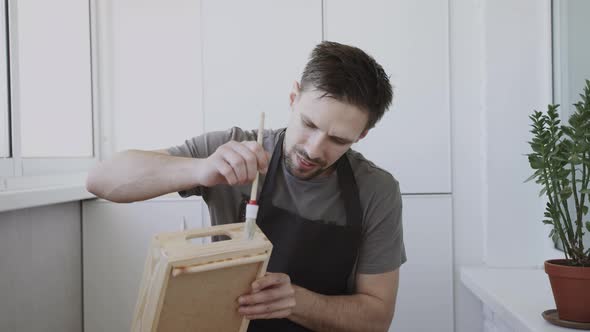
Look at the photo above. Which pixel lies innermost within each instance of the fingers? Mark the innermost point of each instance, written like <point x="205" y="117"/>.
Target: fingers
<point x="276" y="309"/>
<point x="225" y="169"/>
<point x="238" y="162"/>
<point x="248" y="160"/>
<point x="267" y="295"/>
<point x="273" y="296"/>
<point x="270" y="279"/>
<point x="272" y="284"/>
<point x="262" y="157"/>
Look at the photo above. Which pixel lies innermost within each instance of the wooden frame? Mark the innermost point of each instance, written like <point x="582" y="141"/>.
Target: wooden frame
<point x="190" y="286"/>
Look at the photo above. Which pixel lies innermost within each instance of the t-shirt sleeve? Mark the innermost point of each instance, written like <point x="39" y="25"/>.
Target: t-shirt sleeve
<point x="203" y="146"/>
<point x="382" y="247"/>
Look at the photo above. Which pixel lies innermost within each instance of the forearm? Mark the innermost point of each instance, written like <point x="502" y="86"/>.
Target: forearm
<point x="357" y="312"/>
<point x="139" y="175"/>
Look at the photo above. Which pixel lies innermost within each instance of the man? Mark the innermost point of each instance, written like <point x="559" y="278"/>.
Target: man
<point x="334" y="218"/>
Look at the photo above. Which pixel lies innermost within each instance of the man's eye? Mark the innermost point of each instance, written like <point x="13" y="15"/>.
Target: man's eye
<point x="339" y="141"/>
<point x="308" y="124"/>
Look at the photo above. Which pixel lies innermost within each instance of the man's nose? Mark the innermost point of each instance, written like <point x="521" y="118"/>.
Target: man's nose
<point x="314" y="147"/>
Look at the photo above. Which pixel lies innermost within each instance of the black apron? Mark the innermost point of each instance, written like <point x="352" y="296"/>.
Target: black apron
<point x="315" y="255"/>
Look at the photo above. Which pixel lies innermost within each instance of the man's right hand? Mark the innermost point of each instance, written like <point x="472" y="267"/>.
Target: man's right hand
<point x="233" y="163"/>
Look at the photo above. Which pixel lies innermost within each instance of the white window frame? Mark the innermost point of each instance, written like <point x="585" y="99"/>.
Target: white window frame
<point x="5" y="163"/>
<point x="560" y="76"/>
<point x="56" y="179"/>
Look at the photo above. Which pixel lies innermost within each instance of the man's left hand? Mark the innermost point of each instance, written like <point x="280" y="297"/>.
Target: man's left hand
<point x="272" y="296"/>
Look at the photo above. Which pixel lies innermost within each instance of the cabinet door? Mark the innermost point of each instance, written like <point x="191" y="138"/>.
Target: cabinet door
<point x="253" y="51"/>
<point x="410" y="39"/>
<point x="116" y="238"/>
<point x="40" y="265"/>
<point x="425" y="297"/>
<point x="151" y="69"/>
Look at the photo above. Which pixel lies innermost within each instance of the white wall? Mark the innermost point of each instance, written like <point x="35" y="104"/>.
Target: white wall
<point x="468" y="183"/>
<point x="517" y="81"/>
<point x="514" y="68"/>
<point x="500" y="72"/>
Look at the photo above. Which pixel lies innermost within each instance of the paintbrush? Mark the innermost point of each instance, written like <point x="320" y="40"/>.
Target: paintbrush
<point x="252" y="207"/>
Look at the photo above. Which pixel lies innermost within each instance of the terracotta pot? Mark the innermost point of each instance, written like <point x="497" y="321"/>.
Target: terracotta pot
<point x="571" y="290"/>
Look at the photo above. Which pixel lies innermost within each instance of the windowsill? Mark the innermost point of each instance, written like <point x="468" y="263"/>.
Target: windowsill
<point x="31" y="191"/>
<point x="25" y="192"/>
<point x="172" y="197"/>
<point x="519" y="296"/>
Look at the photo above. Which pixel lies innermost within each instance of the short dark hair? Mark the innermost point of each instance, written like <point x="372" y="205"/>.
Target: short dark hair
<point x="350" y="75"/>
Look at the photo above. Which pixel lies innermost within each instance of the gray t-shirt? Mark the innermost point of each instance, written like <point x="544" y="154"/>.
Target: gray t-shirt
<point x="382" y="246"/>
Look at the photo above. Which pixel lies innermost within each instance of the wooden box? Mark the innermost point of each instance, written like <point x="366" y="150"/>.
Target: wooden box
<point x="190" y="286"/>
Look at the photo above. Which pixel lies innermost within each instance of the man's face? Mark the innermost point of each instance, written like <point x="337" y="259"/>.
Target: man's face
<point x="320" y="131"/>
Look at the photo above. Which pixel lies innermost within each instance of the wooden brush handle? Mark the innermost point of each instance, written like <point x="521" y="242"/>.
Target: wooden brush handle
<point x="259" y="140"/>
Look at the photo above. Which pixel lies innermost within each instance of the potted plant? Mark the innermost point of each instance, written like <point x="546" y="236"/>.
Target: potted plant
<point x="561" y="164"/>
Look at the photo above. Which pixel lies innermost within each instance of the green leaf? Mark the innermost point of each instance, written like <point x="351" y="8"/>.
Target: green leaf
<point x="542" y="192"/>
<point x="531" y="177"/>
<point x="575" y="159"/>
<point x="548" y="222"/>
<point x="584" y="209"/>
<point x="588" y="225"/>
<point x="536" y="162"/>
<point x="563" y="173"/>
<point x="565" y="193"/>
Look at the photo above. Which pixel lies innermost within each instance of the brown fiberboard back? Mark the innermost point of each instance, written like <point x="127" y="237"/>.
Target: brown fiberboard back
<point x="188" y="306"/>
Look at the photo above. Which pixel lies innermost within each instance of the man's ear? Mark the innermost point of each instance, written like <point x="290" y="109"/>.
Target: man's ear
<point x="363" y="134"/>
<point x="295" y="92"/>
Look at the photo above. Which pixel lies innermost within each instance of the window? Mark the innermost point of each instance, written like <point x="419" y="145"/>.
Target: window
<point x="48" y="124"/>
<point x="571" y="56"/>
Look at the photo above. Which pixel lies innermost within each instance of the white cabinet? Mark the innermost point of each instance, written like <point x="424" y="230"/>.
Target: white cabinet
<point x="151" y="69"/>
<point x="116" y="238"/>
<point x="40" y="265"/>
<point x="425" y="297"/>
<point x="411" y="40"/>
<point x="253" y="51"/>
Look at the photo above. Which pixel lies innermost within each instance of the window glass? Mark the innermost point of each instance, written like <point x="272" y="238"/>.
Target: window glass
<point x="54" y="78"/>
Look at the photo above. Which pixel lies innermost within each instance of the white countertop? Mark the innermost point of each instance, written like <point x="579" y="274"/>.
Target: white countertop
<point x="518" y="295"/>
<point x="20" y="192"/>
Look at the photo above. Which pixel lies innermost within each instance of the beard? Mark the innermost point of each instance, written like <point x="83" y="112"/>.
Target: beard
<point x="292" y="164"/>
